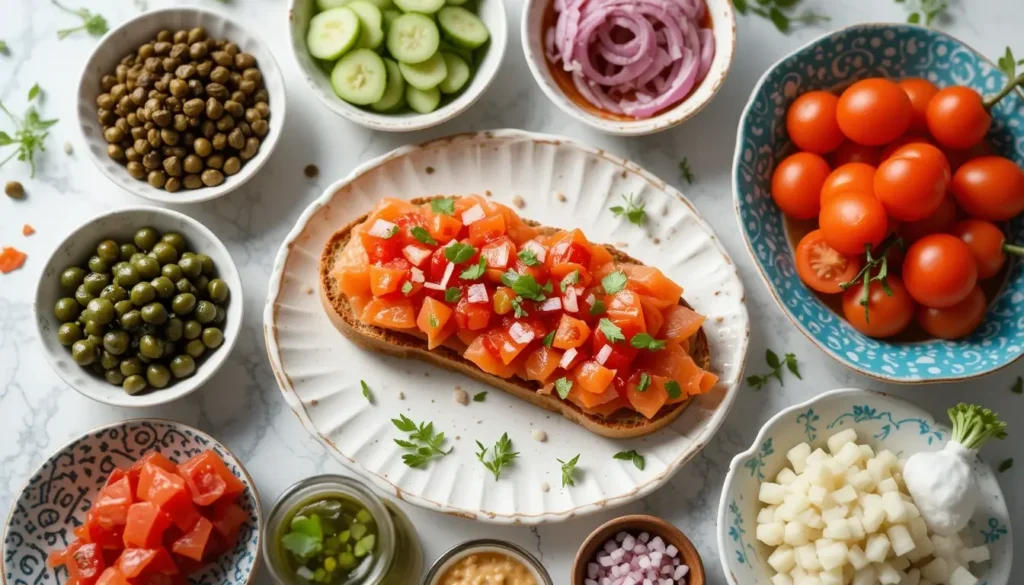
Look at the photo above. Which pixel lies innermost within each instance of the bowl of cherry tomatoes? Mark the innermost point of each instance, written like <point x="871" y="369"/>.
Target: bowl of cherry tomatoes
<point x="878" y="184"/>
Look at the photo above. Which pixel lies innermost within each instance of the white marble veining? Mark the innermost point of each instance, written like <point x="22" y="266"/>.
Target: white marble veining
<point x="242" y="405"/>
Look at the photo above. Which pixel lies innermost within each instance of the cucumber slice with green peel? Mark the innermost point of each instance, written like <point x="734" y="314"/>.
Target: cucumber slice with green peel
<point x="455" y="2"/>
<point x="413" y="38"/>
<point x="427" y="74"/>
<point x="466" y="54"/>
<point x="389" y="15"/>
<point x="422" y="101"/>
<point x="458" y="73"/>
<point x="462" y="27"/>
<point x="421" y="6"/>
<point x="332" y="33"/>
<point x="323" y="5"/>
<point x="360" y="77"/>
<point x="371" y="35"/>
<point x="394" y="92"/>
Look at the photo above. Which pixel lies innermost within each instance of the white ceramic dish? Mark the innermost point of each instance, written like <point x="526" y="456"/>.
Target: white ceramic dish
<point x="561" y="183"/>
<point x="124" y="40"/>
<point x="75" y="251"/>
<point x="723" y="26"/>
<point x="491" y="12"/>
<point x="881" y="420"/>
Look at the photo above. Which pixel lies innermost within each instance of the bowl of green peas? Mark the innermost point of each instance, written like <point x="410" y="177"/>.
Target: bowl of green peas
<point x="138" y="307"/>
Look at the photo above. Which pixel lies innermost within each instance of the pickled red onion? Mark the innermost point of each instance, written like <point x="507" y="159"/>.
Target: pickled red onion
<point x="631" y="57"/>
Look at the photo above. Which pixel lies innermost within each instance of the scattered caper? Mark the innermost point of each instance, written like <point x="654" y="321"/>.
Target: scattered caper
<point x="134" y="384"/>
<point x="212" y="337"/>
<point x="69" y="333"/>
<point x="83" y="352"/>
<point x="72" y="278"/>
<point x="67" y="309"/>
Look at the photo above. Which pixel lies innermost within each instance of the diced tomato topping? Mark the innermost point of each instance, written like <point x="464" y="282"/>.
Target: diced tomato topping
<point x="433" y="320"/>
<point x="590" y="400"/>
<point x="472" y="316"/>
<point x="485" y="360"/>
<point x="649" y="400"/>
<point x="146" y="526"/>
<point x="624" y="309"/>
<point x="393" y="314"/>
<point x="499" y="253"/>
<point x="571" y="332"/>
<point x="209" y="479"/>
<point x="542" y="363"/>
<point x="353" y="280"/>
<point x="502" y="300"/>
<point x="487" y="230"/>
<point x="593" y="377"/>
<point x="112" y="576"/>
<point x="559" y="272"/>
<point x="380" y="250"/>
<point x="571" y="246"/>
<point x="681" y="322"/>
<point x="443" y="228"/>
<point x="388" y="277"/>
<point x="193" y="544"/>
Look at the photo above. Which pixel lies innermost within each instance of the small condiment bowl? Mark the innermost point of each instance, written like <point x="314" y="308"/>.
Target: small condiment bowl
<point x="491" y="12"/>
<point x="635" y="525"/>
<point x="881" y="421"/>
<point x="485" y="545"/>
<point x="76" y="249"/>
<point x="723" y="27"/>
<point x="55" y="499"/>
<point x="125" y="40"/>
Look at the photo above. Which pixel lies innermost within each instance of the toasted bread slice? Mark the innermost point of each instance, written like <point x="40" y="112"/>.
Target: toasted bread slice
<point x="620" y="425"/>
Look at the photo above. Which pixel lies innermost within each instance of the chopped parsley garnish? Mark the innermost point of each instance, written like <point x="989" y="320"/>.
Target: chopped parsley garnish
<point x="458" y="252"/>
<point x="425" y="445"/>
<point x="423" y="235"/>
<point x="563" y="386"/>
<point x="479" y="397"/>
<point x="525" y="286"/>
<point x="445" y="206"/>
<point x="366" y="391"/>
<point x="673" y="390"/>
<point x="598" y="307"/>
<point x="611" y="331"/>
<point x="614" y="282"/>
<point x="633" y="210"/>
<point x="549" y="339"/>
<point x="475" y="271"/>
<point x="432" y="319"/>
<point x="645" y="341"/>
<point x="759" y="381"/>
<point x="570" y="279"/>
<point x="645" y="381"/>
<point x="502" y="455"/>
<point x="685" y="171"/>
<point x="406" y="288"/>
<point x="452" y="294"/>
<point x="528" y="257"/>
<point x="568" y="468"/>
<point x="517" y="308"/>
<point x="631" y="455"/>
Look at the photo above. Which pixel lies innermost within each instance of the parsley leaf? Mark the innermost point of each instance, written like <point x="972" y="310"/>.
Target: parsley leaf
<point x="685" y="171"/>
<point x="366" y="391"/>
<point x="614" y="282"/>
<point x="406" y="287"/>
<point x="528" y="257"/>
<point x="673" y="390"/>
<point x="29" y="135"/>
<point x="94" y="24"/>
<point x="432" y="320"/>
<point x="568" y="468"/>
<point x="423" y="235"/>
<point x="502" y="455"/>
<point x="458" y="252"/>
<point x="758" y="382"/>
<point x="480" y="397"/>
<point x="611" y="331"/>
<point x="452" y="294"/>
<point x="423" y="443"/>
<point x="1005" y="465"/>
<point x="569" y="280"/>
<point x="1008" y="64"/>
<point x="305" y="537"/>
<point x="475" y="271"/>
<point x="444" y="205"/>
<point x="645" y="381"/>
<point x="563" y="385"/>
<point x="549" y="339"/>
<point x="633" y="211"/>
<point x="646" y="341"/>
<point x="597" y="308"/>
<point x="631" y="455"/>
<point x="517" y="308"/>
<point x="525" y="286"/>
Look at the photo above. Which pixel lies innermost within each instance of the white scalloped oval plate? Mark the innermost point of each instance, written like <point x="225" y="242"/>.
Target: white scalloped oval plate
<point x="563" y="184"/>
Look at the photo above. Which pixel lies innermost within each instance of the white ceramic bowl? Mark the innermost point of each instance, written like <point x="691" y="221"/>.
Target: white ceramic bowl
<point x="491" y="12"/>
<point x="723" y="26"/>
<point x="125" y="40"/>
<point x="76" y="249"/>
<point x="882" y="421"/>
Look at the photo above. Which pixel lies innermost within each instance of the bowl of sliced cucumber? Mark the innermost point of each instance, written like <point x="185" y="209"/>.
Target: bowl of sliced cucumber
<point x="398" y="65"/>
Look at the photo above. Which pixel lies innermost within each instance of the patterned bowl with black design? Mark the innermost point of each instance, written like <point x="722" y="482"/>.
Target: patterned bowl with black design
<point x="56" y="497"/>
<point x="882" y="421"/>
<point x="835" y="61"/>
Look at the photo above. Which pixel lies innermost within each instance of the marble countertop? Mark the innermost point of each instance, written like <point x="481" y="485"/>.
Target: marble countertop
<point x="242" y="405"/>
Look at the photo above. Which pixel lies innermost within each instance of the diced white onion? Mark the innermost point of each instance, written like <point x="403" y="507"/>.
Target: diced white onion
<point x="382" y="228"/>
<point x="417" y="275"/>
<point x="477" y="293"/>
<point x="567" y="358"/>
<point x="448" y="270"/>
<point x="520" y="333"/>
<point x="590" y="300"/>
<point x="473" y="214"/>
<point x="433" y="286"/>
<point x="552" y="304"/>
<point x="415" y="254"/>
<point x="537" y="249"/>
<point x="569" y="302"/>
<point x="602" y="355"/>
<point x="497" y="257"/>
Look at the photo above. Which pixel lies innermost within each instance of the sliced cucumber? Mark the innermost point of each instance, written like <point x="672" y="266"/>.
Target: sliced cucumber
<point x="462" y="27"/>
<point x="455" y="2"/>
<point x="413" y="38"/>
<point x="466" y="54"/>
<point x="359" y="77"/>
<point x="328" y="4"/>
<point x="332" y="32"/>
<point x="371" y="34"/>
<point x="382" y="5"/>
<point x="389" y="15"/>
<point x="421" y="6"/>
<point x="458" y="73"/>
<point x="427" y="74"/>
<point x="394" y="93"/>
<point x="422" y="101"/>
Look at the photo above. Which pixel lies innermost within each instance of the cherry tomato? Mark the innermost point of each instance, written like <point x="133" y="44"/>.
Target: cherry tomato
<point x="990" y="187"/>
<point x="939" y="271"/>
<point x="874" y="111"/>
<point x="821" y="267"/>
<point x="849" y="177"/>
<point x="851" y="152"/>
<point x="925" y="150"/>
<point x="987" y="243"/>
<point x="957" y="117"/>
<point x="911" y="188"/>
<point x="920" y="91"/>
<point x="956" y="321"/>
<point x="940" y="222"/>
<point x="811" y="122"/>
<point x="885" y="315"/>
<point x="796" y="184"/>
<point x="852" y="220"/>
<point x="889" y="149"/>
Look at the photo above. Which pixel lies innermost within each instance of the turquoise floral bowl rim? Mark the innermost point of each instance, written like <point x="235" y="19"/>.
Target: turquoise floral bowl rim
<point x="803" y="53"/>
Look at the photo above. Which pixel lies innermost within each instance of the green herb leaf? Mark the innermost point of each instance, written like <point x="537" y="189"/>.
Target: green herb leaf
<point x="452" y="294"/>
<point x="443" y="205"/>
<point x="568" y="469"/>
<point x="421" y="234"/>
<point x="646" y="341"/>
<point x="424" y="444"/>
<point x="741" y="6"/>
<point x="549" y="339"/>
<point x="475" y="271"/>
<point x="480" y="397"/>
<point x="570" y="279"/>
<point x="29" y="134"/>
<point x="776" y="364"/>
<point x="4" y="49"/>
<point x="685" y="171"/>
<point x="563" y="386"/>
<point x="1008" y="64"/>
<point x="525" y="286"/>
<point x="779" y="19"/>
<point x="672" y="389"/>
<point x="914" y="18"/>
<point x="32" y="93"/>
<point x="631" y="455"/>
<point x="528" y="257"/>
<point x="633" y="210"/>
<point x="611" y="331"/>
<point x="366" y="391"/>
<point x="93" y="24"/>
<point x="517" y="308"/>
<point x="597" y="308"/>
<point x="792" y="366"/>
<point x="772" y="358"/>
<point x="1018" y="386"/>
<point x="432" y="320"/>
<point x="404" y="424"/>
<point x="458" y="252"/>
<point x="406" y="287"/>
<point x="502" y="455"/>
<point x="1005" y="465"/>
<point x="614" y="282"/>
<point x="644" y="382"/>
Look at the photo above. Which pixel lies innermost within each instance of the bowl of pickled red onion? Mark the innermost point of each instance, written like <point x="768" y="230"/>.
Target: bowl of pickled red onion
<point x="629" y="67"/>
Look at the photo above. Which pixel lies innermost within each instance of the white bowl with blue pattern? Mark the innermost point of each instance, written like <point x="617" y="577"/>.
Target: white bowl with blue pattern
<point x="58" y="494"/>
<point x="834" y="61"/>
<point x="882" y="421"/>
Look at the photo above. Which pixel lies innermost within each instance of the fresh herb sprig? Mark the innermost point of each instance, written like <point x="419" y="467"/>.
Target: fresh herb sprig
<point x="788" y="361"/>
<point x="633" y="210"/>
<point x="568" y="469"/>
<point x="93" y="24"/>
<point x="366" y="391"/>
<point x="780" y="13"/>
<point x="1008" y="63"/>
<point x="685" y="171"/>
<point x="631" y="455"/>
<point x="924" y="11"/>
<point x="30" y="132"/>
<point x="502" y="455"/>
<point x="423" y="443"/>
<point x="877" y="265"/>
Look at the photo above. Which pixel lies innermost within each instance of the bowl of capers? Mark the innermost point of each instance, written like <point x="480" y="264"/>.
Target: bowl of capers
<point x="180" y="105"/>
<point x="138" y="307"/>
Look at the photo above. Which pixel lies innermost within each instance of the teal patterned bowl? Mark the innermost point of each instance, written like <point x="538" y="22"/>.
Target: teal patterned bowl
<point x="833" y="61"/>
<point x="882" y="421"/>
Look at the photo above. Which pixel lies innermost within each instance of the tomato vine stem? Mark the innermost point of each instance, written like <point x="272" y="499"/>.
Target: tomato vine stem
<point x="865" y="278"/>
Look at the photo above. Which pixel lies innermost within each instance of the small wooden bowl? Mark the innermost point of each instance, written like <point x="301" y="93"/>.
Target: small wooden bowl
<point x="635" y="525"/>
